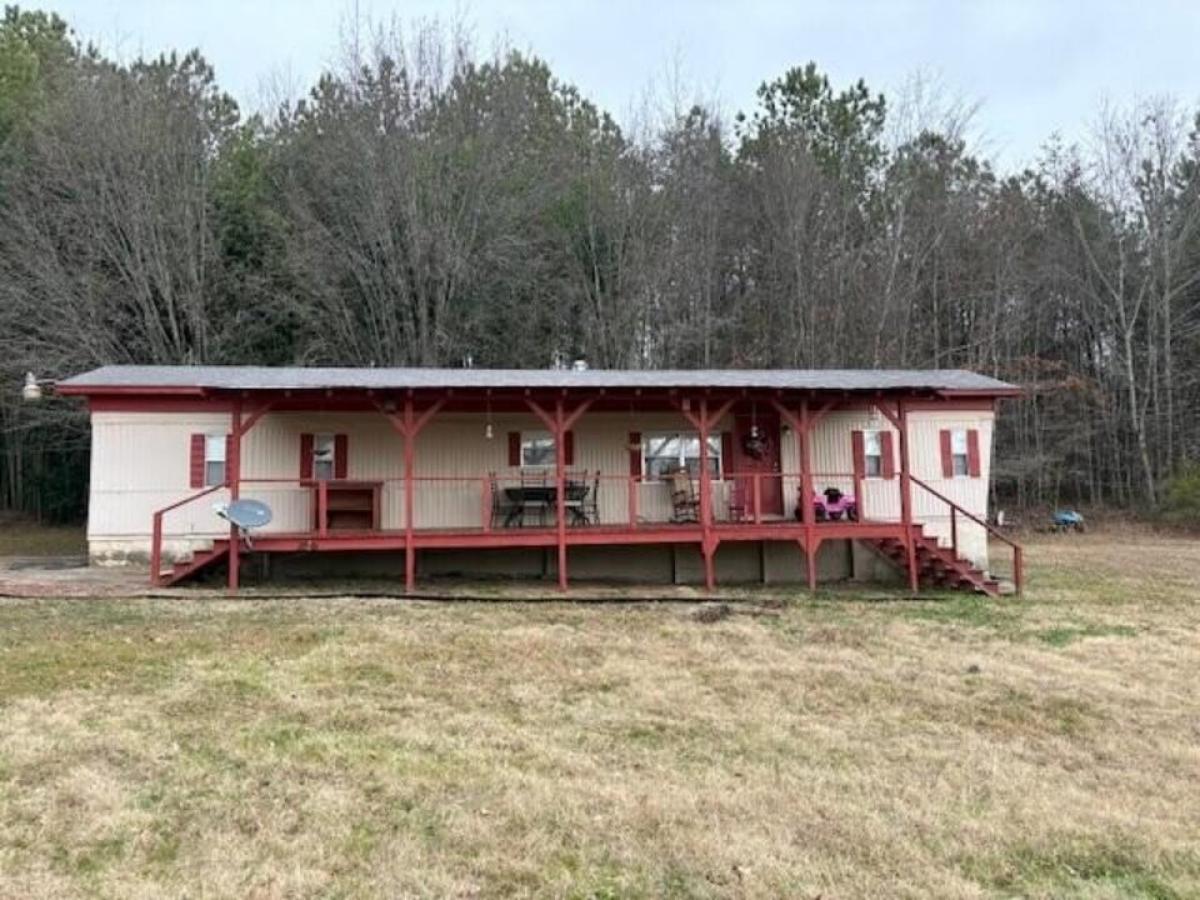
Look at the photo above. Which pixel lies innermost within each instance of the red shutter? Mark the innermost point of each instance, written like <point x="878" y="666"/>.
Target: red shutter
<point x="569" y="448"/>
<point x="341" y="455"/>
<point x="974" y="465"/>
<point x="196" y="462"/>
<point x="514" y="448"/>
<point x="231" y="464"/>
<point x="947" y="454"/>
<point x="726" y="454"/>
<point x="859" y="453"/>
<point x="635" y="454"/>
<point x="889" y="454"/>
<point x="306" y="456"/>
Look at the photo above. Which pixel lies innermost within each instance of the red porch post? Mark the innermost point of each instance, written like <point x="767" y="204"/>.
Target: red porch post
<point x="803" y="425"/>
<point x="808" y="514"/>
<point x="708" y="550"/>
<point x="410" y="452"/>
<point x="560" y="482"/>
<point x="906" y="512"/>
<point x="709" y="542"/>
<point x="899" y="420"/>
<point x="559" y="424"/>
<point x="409" y="425"/>
<point x="233" y="473"/>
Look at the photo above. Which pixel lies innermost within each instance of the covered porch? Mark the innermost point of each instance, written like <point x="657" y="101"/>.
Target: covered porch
<point x="500" y="468"/>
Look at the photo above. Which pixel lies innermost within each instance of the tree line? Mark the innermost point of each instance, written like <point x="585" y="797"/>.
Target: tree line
<point x="425" y="204"/>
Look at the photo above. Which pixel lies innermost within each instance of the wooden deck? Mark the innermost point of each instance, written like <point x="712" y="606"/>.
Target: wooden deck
<point x="578" y="535"/>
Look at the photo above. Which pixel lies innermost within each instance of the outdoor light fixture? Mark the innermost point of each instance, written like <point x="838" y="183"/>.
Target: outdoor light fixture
<point x="32" y="391"/>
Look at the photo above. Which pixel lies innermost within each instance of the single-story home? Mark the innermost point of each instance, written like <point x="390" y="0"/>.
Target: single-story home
<point x="684" y="476"/>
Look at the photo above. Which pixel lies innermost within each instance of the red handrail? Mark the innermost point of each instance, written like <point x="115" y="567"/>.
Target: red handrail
<point x="156" y="537"/>
<point x="955" y="509"/>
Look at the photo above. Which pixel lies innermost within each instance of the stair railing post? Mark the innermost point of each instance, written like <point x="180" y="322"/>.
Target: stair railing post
<point x="1018" y="569"/>
<point x="954" y="530"/>
<point x="156" y="550"/>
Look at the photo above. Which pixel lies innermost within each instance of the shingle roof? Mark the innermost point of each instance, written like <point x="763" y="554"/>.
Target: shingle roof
<point x="305" y="378"/>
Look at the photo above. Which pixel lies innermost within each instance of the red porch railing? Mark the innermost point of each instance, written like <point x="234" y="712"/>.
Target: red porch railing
<point x="494" y="502"/>
<point x="156" y="537"/>
<point x="1018" y="567"/>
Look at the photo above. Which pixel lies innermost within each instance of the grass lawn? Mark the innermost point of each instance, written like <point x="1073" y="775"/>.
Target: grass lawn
<point x="843" y="746"/>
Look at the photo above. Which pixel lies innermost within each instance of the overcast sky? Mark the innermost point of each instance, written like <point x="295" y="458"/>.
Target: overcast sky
<point x="1034" y="66"/>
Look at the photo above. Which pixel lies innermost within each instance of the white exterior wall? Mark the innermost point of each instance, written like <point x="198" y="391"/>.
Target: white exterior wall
<point x="140" y="463"/>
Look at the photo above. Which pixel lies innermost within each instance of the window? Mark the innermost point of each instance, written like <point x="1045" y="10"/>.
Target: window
<point x="664" y="453"/>
<point x="959" y="454"/>
<point x="214" y="459"/>
<point x="873" y="454"/>
<point x="537" y="449"/>
<point x="324" y="456"/>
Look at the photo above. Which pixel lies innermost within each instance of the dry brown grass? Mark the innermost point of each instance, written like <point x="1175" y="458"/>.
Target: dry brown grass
<point x="840" y="747"/>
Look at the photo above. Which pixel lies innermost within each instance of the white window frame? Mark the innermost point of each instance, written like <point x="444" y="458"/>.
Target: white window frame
<point x="324" y="461"/>
<point x="872" y="453"/>
<point x="960" y="454"/>
<point x="714" y="452"/>
<point x="542" y="439"/>
<point x="215" y="452"/>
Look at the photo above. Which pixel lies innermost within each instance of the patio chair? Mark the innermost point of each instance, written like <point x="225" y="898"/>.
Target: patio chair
<point x="535" y="494"/>
<point x="591" y="503"/>
<point x="504" y="511"/>
<point x="575" y="493"/>
<point x="685" y="507"/>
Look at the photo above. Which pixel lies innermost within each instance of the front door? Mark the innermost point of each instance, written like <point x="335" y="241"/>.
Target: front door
<point x="761" y="455"/>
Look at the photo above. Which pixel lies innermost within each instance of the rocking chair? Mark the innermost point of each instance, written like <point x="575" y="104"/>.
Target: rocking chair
<point x="685" y="507"/>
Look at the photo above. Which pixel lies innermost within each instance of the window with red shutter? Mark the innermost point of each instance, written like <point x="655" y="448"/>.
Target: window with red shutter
<point x="207" y="458"/>
<point x="569" y="448"/>
<point x="514" y="448"/>
<point x="957" y="454"/>
<point x="635" y="454"/>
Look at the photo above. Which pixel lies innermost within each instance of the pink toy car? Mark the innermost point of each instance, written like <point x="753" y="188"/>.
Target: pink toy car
<point x="832" y="507"/>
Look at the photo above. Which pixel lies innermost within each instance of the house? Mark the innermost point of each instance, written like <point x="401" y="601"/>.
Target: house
<point x="685" y="476"/>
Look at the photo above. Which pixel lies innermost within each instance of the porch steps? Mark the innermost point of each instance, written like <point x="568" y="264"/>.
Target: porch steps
<point x="200" y="559"/>
<point x="937" y="566"/>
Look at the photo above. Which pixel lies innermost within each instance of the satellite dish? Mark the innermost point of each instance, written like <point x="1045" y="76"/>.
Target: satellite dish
<point x="247" y="514"/>
<point x="244" y="515"/>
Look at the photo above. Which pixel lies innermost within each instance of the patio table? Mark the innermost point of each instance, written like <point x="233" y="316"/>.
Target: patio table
<point x="544" y="497"/>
